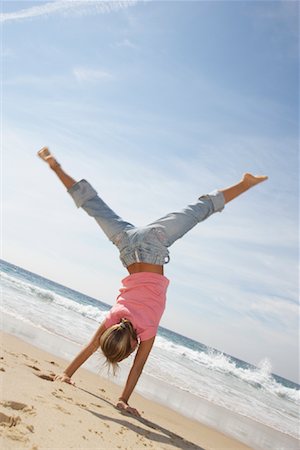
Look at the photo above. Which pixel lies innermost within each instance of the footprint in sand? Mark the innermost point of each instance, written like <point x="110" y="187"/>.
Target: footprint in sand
<point x="96" y="404"/>
<point x="44" y="376"/>
<point x="33" y="367"/>
<point x="29" y="358"/>
<point x="53" y="363"/>
<point x="18" y="406"/>
<point x="62" y="397"/>
<point x="8" y="429"/>
<point x="13" y="427"/>
<point x="60" y="408"/>
<point x="99" y="433"/>
<point x="68" y="399"/>
<point x="82" y="405"/>
<point x="10" y="421"/>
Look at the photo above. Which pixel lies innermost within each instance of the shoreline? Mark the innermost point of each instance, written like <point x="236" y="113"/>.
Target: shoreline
<point x="201" y="411"/>
<point x="51" y="409"/>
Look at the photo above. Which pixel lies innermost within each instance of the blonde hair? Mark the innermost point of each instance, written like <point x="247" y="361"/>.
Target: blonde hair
<point x="116" y="341"/>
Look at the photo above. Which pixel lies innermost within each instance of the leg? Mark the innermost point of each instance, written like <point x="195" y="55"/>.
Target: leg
<point x="174" y="225"/>
<point x="86" y="197"/>
<point x="246" y="183"/>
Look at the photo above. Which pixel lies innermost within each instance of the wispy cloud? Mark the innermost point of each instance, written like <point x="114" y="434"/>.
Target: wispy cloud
<point x="86" y="74"/>
<point x="126" y="43"/>
<point x="277" y="311"/>
<point x="67" y="8"/>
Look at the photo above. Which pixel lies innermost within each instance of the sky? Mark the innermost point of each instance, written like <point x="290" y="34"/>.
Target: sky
<point x="156" y="103"/>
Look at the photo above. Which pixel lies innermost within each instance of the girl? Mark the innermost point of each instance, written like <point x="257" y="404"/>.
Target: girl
<point x="133" y="321"/>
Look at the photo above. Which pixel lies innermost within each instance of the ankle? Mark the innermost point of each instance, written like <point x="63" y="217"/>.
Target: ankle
<point x="54" y="165"/>
<point x="245" y="184"/>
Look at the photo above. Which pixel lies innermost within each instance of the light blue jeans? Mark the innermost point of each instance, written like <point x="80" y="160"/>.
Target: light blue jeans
<point x="148" y="244"/>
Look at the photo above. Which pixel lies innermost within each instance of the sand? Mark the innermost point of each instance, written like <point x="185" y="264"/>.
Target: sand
<point x="39" y="413"/>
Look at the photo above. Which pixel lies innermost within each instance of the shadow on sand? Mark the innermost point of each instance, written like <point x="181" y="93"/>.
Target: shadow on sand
<point x="156" y="433"/>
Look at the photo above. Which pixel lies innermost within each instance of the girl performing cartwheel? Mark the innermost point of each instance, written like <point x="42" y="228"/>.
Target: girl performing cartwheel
<point x="132" y="322"/>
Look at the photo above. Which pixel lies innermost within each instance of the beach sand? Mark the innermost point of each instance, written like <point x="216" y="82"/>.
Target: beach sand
<point x="38" y="413"/>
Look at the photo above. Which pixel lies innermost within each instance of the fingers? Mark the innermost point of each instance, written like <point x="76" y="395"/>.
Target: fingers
<point x="133" y="411"/>
<point x="64" y="379"/>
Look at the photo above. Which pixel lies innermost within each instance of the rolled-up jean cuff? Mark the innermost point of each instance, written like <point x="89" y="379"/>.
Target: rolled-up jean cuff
<point x="81" y="192"/>
<point x="218" y="200"/>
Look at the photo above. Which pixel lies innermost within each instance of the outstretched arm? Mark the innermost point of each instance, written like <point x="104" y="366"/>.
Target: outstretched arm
<point x="85" y="353"/>
<point x="134" y="375"/>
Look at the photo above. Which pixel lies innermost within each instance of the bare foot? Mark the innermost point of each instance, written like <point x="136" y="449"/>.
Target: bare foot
<point x="46" y="156"/>
<point x="251" y="180"/>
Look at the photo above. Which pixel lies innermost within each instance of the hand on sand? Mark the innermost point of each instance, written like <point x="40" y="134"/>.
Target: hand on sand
<point x="122" y="406"/>
<point x="64" y="378"/>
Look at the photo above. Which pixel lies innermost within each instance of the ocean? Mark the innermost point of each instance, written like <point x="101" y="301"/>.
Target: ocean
<point x="249" y="403"/>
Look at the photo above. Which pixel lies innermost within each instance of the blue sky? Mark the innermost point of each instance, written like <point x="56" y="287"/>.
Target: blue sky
<point x="156" y="103"/>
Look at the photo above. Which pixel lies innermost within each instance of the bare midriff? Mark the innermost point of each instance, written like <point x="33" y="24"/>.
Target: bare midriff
<point x="144" y="267"/>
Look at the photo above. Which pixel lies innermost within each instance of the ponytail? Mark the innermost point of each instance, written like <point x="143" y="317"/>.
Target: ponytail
<point x="116" y="342"/>
<point x="125" y="324"/>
